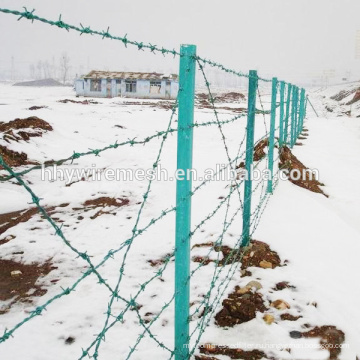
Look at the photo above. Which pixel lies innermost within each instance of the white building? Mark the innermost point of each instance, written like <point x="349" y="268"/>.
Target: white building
<point x="128" y="84"/>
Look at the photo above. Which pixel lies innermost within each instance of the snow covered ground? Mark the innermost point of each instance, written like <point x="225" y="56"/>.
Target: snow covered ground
<point x="319" y="236"/>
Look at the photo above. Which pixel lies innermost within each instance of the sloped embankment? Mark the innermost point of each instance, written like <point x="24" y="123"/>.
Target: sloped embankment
<point x="288" y="161"/>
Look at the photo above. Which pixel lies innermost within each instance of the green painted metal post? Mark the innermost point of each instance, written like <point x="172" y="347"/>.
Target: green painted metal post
<point x="301" y="112"/>
<point x="282" y="105"/>
<point x="287" y="115"/>
<point x="305" y="108"/>
<point x="293" y="117"/>
<point x="183" y="200"/>
<point x="250" y="127"/>
<point x="272" y="135"/>
<point x="296" y="115"/>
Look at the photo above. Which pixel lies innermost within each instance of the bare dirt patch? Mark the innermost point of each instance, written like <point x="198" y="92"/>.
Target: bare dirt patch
<point x="331" y="339"/>
<point x="203" y="101"/>
<point x="289" y="317"/>
<point x="18" y="281"/>
<point x="233" y="353"/>
<point x="157" y="262"/>
<point x="11" y="219"/>
<point x="83" y="102"/>
<point x="14" y="218"/>
<point x="166" y="105"/>
<point x="6" y="239"/>
<point x="37" y="107"/>
<point x="257" y="254"/>
<point x="283" y="285"/>
<point x="103" y="202"/>
<point x="230" y="97"/>
<point x="230" y="255"/>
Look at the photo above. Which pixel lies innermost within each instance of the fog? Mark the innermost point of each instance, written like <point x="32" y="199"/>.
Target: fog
<point x="306" y="42"/>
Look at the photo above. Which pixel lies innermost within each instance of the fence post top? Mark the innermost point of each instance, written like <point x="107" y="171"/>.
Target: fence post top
<point x="188" y="46"/>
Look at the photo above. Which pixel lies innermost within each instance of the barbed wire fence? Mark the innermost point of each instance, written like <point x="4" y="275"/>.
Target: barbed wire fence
<point x="250" y="197"/>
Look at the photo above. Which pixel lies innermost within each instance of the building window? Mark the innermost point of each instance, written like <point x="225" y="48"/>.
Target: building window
<point x="155" y="87"/>
<point x="95" y="85"/>
<point x="130" y="86"/>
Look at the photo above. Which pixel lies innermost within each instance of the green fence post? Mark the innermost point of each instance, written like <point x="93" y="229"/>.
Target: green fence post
<point x="296" y="114"/>
<point x="293" y="116"/>
<point x="250" y="127"/>
<point x="272" y="134"/>
<point x="287" y="115"/>
<point x="305" y="107"/>
<point x="183" y="200"/>
<point x="282" y="98"/>
<point x="301" y="113"/>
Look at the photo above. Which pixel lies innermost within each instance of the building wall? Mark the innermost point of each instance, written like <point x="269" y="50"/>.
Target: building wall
<point x="114" y="88"/>
<point x="79" y="87"/>
<point x="101" y="93"/>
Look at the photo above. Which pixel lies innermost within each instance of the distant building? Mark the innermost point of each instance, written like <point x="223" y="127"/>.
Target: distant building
<point x="128" y="84"/>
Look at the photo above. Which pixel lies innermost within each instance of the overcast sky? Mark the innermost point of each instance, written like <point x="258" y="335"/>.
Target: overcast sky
<point x="294" y="40"/>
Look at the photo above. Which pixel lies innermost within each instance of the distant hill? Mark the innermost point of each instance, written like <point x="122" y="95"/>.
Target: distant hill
<point x="42" y="82"/>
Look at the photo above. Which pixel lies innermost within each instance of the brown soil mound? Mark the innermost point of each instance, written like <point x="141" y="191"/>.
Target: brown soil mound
<point x="84" y="102"/>
<point x="18" y="286"/>
<point x="258" y="252"/>
<point x="239" y="308"/>
<point x="290" y="162"/>
<point x="233" y="353"/>
<point x="254" y="255"/>
<point x="259" y="152"/>
<point x="30" y="122"/>
<point x="14" y="158"/>
<point x="331" y="338"/>
<point x="10" y="128"/>
<point x="103" y="202"/>
<point x="230" y="255"/>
